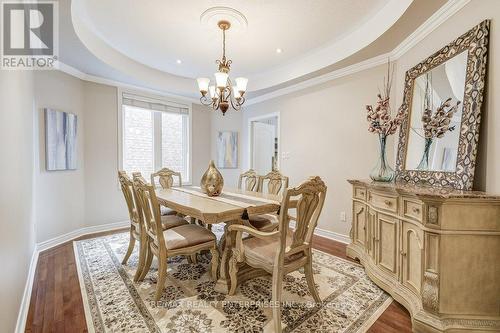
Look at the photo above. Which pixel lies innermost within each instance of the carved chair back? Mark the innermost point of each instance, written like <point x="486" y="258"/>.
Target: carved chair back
<point x="166" y="178"/>
<point x="126" y="187"/>
<point x="276" y="182"/>
<point x="310" y="196"/>
<point x="149" y="210"/>
<point x="248" y="181"/>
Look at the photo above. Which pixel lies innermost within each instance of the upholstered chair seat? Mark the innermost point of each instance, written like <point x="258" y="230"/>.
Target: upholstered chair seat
<point x="186" y="236"/>
<point x="172" y="221"/>
<point x="167" y="211"/>
<point x="265" y="222"/>
<point x="264" y="250"/>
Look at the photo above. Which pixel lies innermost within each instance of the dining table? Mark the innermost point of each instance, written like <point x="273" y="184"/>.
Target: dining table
<point x="232" y="206"/>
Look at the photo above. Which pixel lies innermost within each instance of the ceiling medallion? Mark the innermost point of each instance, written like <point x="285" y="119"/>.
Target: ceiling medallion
<point x="223" y="94"/>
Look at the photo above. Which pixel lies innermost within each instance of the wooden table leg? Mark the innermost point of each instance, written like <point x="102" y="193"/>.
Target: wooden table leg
<point x="222" y="284"/>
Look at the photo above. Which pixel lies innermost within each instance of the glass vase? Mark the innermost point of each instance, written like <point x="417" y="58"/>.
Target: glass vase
<point x="424" y="162"/>
<point x="382" y="172"/>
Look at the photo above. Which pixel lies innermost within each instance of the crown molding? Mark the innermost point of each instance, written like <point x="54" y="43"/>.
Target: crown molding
<point x="358" y="67"/>
<point x="98" y="79"/>
<point x="438" y="18"/>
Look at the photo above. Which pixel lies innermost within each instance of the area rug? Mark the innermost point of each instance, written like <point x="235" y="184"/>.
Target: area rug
<point x="114" y="303"/>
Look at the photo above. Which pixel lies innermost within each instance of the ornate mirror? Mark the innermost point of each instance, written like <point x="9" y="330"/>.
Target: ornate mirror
<point x="443" y="94"/>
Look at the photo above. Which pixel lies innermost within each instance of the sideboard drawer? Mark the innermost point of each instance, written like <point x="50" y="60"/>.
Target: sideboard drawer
<point x="386" y="202"/>
<point x="412" y="209"/>
<point x="360" y="193"/>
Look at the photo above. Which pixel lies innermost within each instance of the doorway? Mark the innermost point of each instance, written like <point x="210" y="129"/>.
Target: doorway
<point x="264" y="143"/>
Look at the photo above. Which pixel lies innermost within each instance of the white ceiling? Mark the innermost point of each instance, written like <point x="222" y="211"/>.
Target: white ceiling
<point x="158" y="32"/>
<point x="143" y="39"/>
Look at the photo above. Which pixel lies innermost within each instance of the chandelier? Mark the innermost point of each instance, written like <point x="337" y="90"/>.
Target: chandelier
<point x="223" y="94"/>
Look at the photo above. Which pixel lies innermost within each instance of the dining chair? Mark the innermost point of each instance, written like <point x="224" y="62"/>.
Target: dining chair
<point x="282" y="251"/>
<point x="136" y="224"/>
<point x="184" y="240"/>
<point x="275" y="181"/>
<point x="166" y="180"/>
<point x="272" y="183"/>
<point x="248" y="181"/>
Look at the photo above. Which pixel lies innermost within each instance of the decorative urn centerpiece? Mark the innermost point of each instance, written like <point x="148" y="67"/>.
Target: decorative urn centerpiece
<point x="381" y="122"/>
<point x="212" y="181"/>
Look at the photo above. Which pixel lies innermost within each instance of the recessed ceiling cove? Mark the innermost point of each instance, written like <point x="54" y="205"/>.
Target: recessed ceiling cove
<point x="146" y="38"/>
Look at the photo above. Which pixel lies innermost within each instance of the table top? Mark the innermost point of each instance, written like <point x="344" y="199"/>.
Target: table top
<point x="232" y="204"/>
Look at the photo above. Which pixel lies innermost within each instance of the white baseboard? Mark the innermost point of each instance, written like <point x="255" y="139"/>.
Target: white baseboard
<point x="332" y="235"/>
<point x="42" y="246"/>
<point x="328" y="234"/>
<point x="25" y="301"/>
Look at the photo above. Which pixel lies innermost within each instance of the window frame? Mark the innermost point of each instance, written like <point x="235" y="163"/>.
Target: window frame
<point x="157" y="128"/>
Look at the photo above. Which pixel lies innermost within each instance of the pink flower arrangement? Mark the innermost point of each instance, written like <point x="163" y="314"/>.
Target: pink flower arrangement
<point x="436" y="125"/>
<point x="379" y="119"/>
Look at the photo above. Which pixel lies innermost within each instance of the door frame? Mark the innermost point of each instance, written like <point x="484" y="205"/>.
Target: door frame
<point x="250" y="136"/>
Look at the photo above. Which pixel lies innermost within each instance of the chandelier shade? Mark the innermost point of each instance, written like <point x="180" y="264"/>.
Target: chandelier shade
<point x="241" y="83"/>
<point x="203" y="83"/>
<point x="221" y="79"/>
<point x="223" y="94"/>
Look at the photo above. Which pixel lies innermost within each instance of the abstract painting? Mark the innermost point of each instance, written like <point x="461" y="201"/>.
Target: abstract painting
<point x="60" y="140"/>
<point x="227" y="149"/>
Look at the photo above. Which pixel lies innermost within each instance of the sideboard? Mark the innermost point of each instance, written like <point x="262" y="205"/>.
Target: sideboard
<point x="436" y="251"/>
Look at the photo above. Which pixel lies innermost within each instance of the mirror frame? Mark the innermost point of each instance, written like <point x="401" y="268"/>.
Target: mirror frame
<point x="475" y="41"/>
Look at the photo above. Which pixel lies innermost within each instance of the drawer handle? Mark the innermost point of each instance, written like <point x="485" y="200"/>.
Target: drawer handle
<point x="387" y="202"/>
<point x="416" y="210"/>
<point x="403" y="253"/>
<point x="362" y="193"/>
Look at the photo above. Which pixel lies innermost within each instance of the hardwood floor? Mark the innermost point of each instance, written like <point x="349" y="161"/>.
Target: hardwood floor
<point x="56" y="302"/>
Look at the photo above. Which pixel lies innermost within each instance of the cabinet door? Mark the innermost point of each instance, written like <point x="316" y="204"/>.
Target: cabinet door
<point x="387" y="243"/>
<point x="370" y="235"/>
<point x="412" y="256"/>
<point x="359" y="220"/>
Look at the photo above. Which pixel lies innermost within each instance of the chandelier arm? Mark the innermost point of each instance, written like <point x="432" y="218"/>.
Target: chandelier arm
<point x="216" y="104"/>
<point x="235" y="103"/>
<point x="205" y="101"/>
<point x="236" y="106"/>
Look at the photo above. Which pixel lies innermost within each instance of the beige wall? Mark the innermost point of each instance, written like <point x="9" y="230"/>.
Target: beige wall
<point x="90" y="196"/>
<point x="59" y="195"/>
<point x="324" y="128"/>
<point x="232" y="121"/>
<point x="487" y="175"/>
<point x="17" y="238"/>
<point x="104" y="201"/>
<point x="201" y="141"/>
<point x="325" y="125"/>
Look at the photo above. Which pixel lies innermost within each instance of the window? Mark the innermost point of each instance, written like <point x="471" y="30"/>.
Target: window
<point x="154" y="135"/>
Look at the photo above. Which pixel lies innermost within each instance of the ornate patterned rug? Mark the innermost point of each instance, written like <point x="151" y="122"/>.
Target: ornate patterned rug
<point x="113" y="302"/>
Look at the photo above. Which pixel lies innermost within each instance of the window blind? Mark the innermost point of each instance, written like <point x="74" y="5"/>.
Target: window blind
<point x="152" y="104"/>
